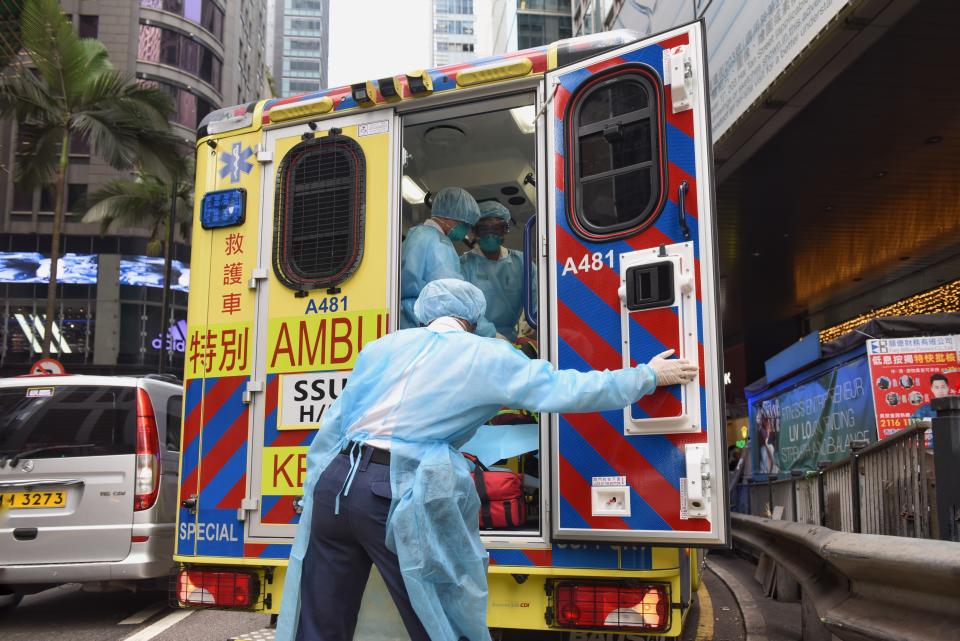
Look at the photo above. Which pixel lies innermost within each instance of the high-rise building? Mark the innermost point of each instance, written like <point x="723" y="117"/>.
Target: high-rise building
<point x="205" y="54"/>
<point x="299" y="44"/>
<point x="454" y="31"/>
<point x="541" y="22"/>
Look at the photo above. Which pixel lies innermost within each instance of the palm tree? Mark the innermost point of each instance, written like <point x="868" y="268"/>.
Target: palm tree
<point x="143" y="202"/>
<point x="151" y="202"/>
<point x="67" y="88"/>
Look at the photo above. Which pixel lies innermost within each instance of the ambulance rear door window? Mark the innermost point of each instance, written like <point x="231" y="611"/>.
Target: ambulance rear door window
<point x="616" y="164"/>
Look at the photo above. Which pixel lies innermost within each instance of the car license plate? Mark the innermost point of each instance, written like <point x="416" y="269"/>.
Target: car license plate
<point x="18" y="500"/>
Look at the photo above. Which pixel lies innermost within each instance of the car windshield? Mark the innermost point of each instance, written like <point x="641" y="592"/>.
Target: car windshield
<point x="68" y="420"/>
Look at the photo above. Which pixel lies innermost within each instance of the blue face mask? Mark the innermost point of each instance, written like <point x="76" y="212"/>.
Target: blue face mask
<point x="459" y="232"/>
<point x="490" y="243"/>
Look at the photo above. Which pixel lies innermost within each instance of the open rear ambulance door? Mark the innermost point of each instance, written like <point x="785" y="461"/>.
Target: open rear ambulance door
<point x="321" y="287"/>
<point x="632" y="268"/>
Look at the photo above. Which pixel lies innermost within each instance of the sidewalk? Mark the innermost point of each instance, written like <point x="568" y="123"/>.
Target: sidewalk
<point x="764" y="619"/>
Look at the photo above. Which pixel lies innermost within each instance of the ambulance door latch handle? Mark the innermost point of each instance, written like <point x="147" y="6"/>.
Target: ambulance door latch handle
<point x="247" y="505"/>
<point x="698" y="488"/>
<point x="252" y="388"/>
<point x="681" y="78"/>
<point x="258" y="274"/>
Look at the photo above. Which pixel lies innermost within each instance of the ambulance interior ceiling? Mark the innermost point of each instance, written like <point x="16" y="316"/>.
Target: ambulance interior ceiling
<point x="855" y="203"/>
<point x="488" y="154"/>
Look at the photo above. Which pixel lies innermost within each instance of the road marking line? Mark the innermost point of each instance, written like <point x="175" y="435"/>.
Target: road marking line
<point x="753" y="621"/>
<point x="155" y="629"/>
<point x="705" y="619"/>
<point x="139" y="617"/>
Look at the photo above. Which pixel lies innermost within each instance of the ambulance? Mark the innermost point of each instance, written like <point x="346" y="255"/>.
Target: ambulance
<point x="600" y="148"/>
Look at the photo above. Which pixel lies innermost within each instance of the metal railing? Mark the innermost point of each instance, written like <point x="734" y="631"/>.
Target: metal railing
<point x="863" y="586"/>
<point x="884" y="488"/>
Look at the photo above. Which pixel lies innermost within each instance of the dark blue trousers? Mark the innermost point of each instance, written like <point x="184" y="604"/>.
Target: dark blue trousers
<point x="341" y="549"/>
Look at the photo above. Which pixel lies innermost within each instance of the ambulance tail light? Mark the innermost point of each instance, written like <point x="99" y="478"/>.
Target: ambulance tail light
<point x="217" y="589"/>
<point x="622" y="605"/>
<point x="147" y="478"/>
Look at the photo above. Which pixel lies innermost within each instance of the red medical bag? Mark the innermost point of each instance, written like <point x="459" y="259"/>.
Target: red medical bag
<point x="502" y="504"/>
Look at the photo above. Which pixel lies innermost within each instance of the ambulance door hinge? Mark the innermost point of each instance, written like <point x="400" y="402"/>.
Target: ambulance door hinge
<point x="697" y="491"/>
<point x="258" y="274"/>
<point x="678" y="75"/>
<point x="252" y="388"/>
<point x="543" y="245"/>
<point x="263" y="155"/>
<point x="247" y="505"/>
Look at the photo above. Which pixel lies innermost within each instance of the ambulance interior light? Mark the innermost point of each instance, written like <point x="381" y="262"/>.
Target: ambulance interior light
<point x="223" y="208"/>
<point x="525" y="118"/>
<point x="412" y="192"/>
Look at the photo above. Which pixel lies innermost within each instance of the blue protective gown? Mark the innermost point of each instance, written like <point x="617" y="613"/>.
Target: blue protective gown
<point x="501" y="282"/>
<point x="427" y="254"/>
<point x="433" y="389"/>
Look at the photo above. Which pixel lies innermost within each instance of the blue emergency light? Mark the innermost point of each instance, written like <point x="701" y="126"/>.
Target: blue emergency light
<point x="223" y="208"/>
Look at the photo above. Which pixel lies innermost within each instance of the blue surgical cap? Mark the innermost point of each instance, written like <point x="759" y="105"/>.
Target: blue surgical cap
<point x="455" y="203"/>
<point x="493" y="209"/>
<point x="450" y="297"/>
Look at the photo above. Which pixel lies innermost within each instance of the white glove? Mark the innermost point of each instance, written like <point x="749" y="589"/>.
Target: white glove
<point x="673" y="371"/>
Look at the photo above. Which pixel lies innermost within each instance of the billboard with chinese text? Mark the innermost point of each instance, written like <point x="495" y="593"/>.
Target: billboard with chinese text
<point x="906" y="374"/>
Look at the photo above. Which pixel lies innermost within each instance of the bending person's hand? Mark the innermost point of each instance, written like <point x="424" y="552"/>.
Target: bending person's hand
<point x="672" y="371"/>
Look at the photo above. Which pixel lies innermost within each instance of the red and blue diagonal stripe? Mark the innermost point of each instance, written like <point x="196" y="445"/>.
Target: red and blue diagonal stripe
<point x="590" y="336"/>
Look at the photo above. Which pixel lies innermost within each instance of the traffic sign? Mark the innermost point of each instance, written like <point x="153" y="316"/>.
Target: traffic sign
<point x="48" y="366"/>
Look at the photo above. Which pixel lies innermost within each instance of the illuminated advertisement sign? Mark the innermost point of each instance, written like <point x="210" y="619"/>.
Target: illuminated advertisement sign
<point x="147" y="271"/>
<point x="176" y="338"/>
<point x="34" y="267"/>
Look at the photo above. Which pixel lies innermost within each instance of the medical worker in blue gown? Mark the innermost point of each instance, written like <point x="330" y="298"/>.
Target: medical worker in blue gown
<point x="496" y="270"/>
<point x="386" y="484"/>
<point x="428" y="252"/>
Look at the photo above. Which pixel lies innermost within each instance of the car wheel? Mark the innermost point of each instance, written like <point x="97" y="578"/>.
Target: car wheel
<point x="9" y="600"/>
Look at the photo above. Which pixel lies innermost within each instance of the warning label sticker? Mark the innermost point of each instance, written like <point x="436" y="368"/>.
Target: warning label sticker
<point x="609" y="481"/>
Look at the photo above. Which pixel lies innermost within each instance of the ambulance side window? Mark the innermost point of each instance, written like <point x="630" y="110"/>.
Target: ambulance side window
<point x="319" y="216"/>
<point x="616" y="165"/>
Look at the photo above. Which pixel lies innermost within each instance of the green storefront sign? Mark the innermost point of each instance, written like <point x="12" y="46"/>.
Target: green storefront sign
<point x="797" y="426"/>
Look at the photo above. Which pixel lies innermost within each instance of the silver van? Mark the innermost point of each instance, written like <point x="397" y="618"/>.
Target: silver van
<point x="88" y="481"/>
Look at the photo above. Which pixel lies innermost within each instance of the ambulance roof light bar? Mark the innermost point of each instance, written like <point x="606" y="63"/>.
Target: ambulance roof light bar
<point x="305" y="109"/>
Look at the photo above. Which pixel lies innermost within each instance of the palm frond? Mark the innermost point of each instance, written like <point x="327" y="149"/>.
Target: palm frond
<point x="126" y="203"/>
<point x="64" y="60"/>
<point x="24" y="97"/>
<point x="37" y="159"/>
<point x="114" y="142"/>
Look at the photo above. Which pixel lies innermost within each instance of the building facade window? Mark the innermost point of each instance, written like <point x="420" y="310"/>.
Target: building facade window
<point x="302" y="27"/>
<point x="304" y="7"/>
<point x="205" y="13"/>
<point x="291" y="87"/>
<point x="456" y="7"/>
<point x="455" y="46"/>
<point x="88" y="26"/>
<point x="169" y="47"/>
<point x="454" y="27"/>
<point x="309" y="48"/>
<point x="188" y="108"/>
<point x="535" y="30"/>
<point x="294" y="68"/>
<point x="616" y="162"/>
<point x="554" y="6"/>
<point x="319" y="216"/>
